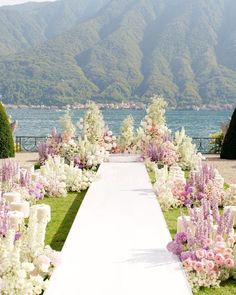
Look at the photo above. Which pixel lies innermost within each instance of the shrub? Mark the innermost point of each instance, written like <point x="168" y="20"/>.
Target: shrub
<point x="6" y="139"/>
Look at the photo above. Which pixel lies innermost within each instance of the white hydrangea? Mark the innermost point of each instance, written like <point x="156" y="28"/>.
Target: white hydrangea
<point x="156" y="111"/>
<point x="78" y="180"/>
<point x="166" y="182"/>
<point x="53" y="177"/>
<point x="92" y="125"/>
<point x="91" y="155"/>
<point x="127" y="136"/>
<point x="186" y="150"/>
<point x="230" y="196"/>
<point x="26" y="264"/>
<point x="67" y="125"/>
<point x="58" y="178"/>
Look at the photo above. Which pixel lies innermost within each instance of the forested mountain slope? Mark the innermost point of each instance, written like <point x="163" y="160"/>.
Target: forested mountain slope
<point x="118" y="50"/>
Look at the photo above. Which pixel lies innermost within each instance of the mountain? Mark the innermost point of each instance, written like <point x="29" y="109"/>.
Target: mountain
<point x="30" y="24"/>
<point x="73" y="50"/>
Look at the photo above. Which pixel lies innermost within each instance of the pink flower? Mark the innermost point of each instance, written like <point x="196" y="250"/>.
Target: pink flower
<point x="210" y="255"/>
<point x="228" y="251"/>
<point x="187" y="263"/>
<point x="229" y="263"/>
<point x="219" y="259"/>
<point x="182" y="198"/>
<point x="200" y="254"/>
<point x="208" y="242"/>
<point x="219" y="238"/>
<point x="231" y="241"/>
<point x="199" y="266"/>
<point x="219" y="250"/>
<point x="226" y="256"/>
<point x="220" y="245"/>
<point x="210" y="265"/>
<point x="211" y="273"/>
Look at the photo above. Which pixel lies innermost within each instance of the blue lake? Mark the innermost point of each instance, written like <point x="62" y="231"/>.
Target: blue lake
<point x="39" y="122"/>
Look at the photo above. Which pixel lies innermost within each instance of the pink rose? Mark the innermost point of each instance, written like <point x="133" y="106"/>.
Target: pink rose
<point x="220" y="245"/>
<point x="182" y="198"/>
<point x="219" y="259"/>
<point x="199" y="266"/>
<point x="229" y="263"/>
<point x="226" y="256"/>
<point x="231" y="241"/>
<point x="187" y="263"/>
<point x="210" y="265"/>
<point x="219" y="238"/>
<point x="200" y="254"/>
<point x="210" y="255"/>
<point x="219" y="250"/>
<point x="228" y="251"/>
<point x="208" y="242"/>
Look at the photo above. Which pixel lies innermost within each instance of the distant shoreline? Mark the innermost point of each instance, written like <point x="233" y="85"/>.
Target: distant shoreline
<point x="121" y="106"/>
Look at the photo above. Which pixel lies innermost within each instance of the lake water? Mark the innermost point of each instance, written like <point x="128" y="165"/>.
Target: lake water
<point x="39" y="122"/>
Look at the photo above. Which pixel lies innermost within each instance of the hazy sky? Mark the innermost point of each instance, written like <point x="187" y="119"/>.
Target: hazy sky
<point x="12" y="2"/>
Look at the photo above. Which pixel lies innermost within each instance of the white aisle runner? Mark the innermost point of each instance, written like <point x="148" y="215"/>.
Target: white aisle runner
<point x="117" y="244"/>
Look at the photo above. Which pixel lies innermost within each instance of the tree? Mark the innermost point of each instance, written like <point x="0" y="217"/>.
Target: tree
<point x="228" y="150"/>
<point x="6" y="139"/>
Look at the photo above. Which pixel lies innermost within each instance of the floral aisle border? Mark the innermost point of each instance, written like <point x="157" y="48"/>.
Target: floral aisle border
<point x="69" y="164"/>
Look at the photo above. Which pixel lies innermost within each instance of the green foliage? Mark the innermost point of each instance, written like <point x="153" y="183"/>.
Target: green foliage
<point x="74" y="50"/>
<point x="216" y="142"/>
<point x="7" y="149"/>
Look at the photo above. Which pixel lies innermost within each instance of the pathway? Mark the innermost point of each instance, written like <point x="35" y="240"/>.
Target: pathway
<point x="227" y="168"/>
<point x="117" y="244"/>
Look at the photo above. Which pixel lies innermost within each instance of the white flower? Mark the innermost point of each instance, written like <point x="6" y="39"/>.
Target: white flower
<point x="186" y="150"/>
<point x="28" y="267"/>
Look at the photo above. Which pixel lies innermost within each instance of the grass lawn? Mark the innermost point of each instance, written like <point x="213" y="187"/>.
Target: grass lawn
<point x="228" y="287"/>
<point x="63" y="212"/>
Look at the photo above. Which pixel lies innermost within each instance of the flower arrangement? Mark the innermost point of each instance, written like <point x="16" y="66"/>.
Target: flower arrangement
<point x="127" y="136"/>
<point x="162" y="154"/>
<point x="68" y="127"/>
<point x="186" y="150"/>
<point x="78" y="180"/>
<point x="154" y="138"/>
<point x="170" y="187"/>
<point x="230" y="196"/>
<point x="58" y="178"/>
<point x="92" y="124"/>
<point x="26" y="263"/>
<point x="14" y="178"/>
<point x="206" y="246"/>
<point x="50" y="147"/>
<point x="204" y="183"/>
<point x="88" y="155"/>
<point x="109" y="141"/>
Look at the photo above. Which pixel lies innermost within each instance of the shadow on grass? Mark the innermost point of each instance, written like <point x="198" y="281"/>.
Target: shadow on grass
<point x="59" y="237"/>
